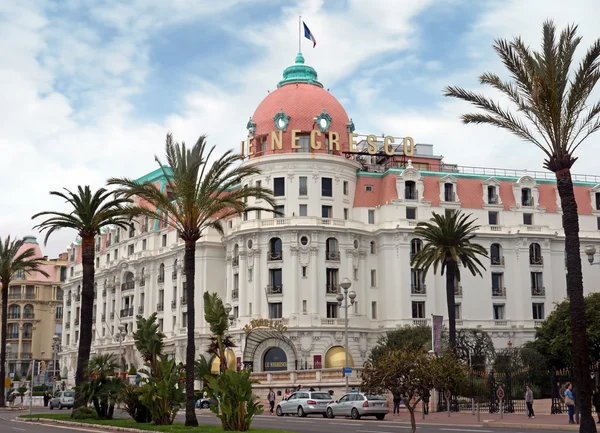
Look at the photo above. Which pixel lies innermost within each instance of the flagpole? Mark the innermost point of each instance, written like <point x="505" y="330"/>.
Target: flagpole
<point x="300" y="34"/>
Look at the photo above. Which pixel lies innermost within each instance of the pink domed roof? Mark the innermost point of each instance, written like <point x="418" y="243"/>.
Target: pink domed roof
<point x="302" y="100"/>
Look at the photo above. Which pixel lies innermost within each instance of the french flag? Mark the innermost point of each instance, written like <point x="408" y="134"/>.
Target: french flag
<point x="309" y="35"/>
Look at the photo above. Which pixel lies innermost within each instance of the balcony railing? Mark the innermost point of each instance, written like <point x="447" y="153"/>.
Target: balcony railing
<point x="14" y="315"/>
<point x="527" y="202"/>
<point x="536" y="260"/>
<point x="418" y="289"/>
<point x="27" y="335"/>
<point x="419" y="322"/>
<point x="274" y="256"/>
<point x="104" y="293"/>
<point x="95" y="294"/>
<point x="332" y="256"/>
<point x="538" y="291"/>
<point x="160" y="307"/>
<point x="500" y="322"/>
<point x="67" y="325"/>
<point x="12" y="335"/>
<point x="303" y="190"/>
<point x="142" y="282"/>
<point x="128" y="285"/>
<point x="103" y="317"/>
<point x="499" y="292"/>
<point x="183" y="300"/>
<point x="275" y="289"/>
<point x="450" y="196"/>
<point x="69" y="302"/>
<point x="235" y="293"/>
<point x="77" y="297"/>
<point x="112" y="315"/>
<point x="141" y="309"/>
<point x="332" y="289"/>
<point x="126" y="312"/>
<point x="77" y="321"/>
<point x="29" y="316"/>
<point x="173" y="305"/>
<point x="493" y="199"/>
<point x="30" y="296"/>
<point x="497" y="260"/>
<point x="26" y="355"/>
<point x="235" y="261"/>
<point x="113" y="290"/>
<point x="161" y="279"/>
<point x="410" y="195"/>
<point x="14" y="295"/>
<point x="457" y="290"/>
<point x="174" y="275"/>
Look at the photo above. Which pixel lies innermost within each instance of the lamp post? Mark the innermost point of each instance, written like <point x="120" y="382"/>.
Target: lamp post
<point x="8" y="353"/>
<point x="342" y="298"/>
<point x="230" y="315"/>
<point x="122" y="334"/>
<point x="55" y="350"/>
<point x="590" y="251"/>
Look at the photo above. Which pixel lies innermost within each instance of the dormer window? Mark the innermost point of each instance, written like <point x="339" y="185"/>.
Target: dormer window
<point x="526" y="198"/>
<point x="410" y="190"/>
<point x="449" y="194"/>
<point x="449" y="191"/>
<point x="492" y="194"/>
<point x="597" y="201"/>
<point x="369" y="188"/>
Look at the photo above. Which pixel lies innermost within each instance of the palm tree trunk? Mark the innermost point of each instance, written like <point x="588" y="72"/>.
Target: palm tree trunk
<point x="4" y="326"/>
<point x="190" y="354"/>
<point x="581" y="358"/>
<point x="85" y="321"/>
<point x="450" y="282"/>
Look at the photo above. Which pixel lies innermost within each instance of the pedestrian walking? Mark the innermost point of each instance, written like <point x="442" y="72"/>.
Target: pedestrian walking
<point x="286" y="394"/>
<point x="529" y="402"/>
<point x="596" y="402"/>
<point x="397" y="399"/>
<point x="426" y="397"/>
<point x="271" y="398"/>
<point x="570" y="401"/>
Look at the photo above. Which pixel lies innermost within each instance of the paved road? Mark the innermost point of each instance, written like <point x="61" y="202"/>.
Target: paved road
<point x="311" y="424"/>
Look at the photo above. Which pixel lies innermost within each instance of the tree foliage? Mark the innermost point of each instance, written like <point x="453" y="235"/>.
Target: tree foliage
<point x="163" y="394"/>
<point x="553" y="336"/>
<point x="412" y="337"/>
<point x="102" y="390"/>
<point x="475" y="347"/>
<point x="411" y="373"/>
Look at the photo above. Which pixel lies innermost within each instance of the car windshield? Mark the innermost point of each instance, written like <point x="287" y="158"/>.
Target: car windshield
<point x="69" y="394"/>
<point x="375" y="397"/>
<point x="321" y="396"/>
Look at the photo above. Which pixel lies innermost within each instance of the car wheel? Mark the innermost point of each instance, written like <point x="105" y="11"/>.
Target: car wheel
<point x="380" y="416"/>
<point x="329" y="413"/>
<point x="324" y="415"/>
<point x="301" y="412"/>
<point x="354" y="414"/>
<point x="51" y="407"/>
<point x="59" y="406"/>
<point x="205" y="405"/>
<point x="278" y="411"/>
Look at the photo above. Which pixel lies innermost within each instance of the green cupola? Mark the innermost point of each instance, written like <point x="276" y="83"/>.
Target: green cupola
<point x="299" y="73"/>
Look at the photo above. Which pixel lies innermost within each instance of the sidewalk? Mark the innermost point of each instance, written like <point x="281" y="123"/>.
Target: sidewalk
<point x="520" y="421"/>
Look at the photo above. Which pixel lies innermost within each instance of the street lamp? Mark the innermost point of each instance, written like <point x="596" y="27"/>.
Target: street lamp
<point x="55" y="349"/>
<point x="122" y="334"/>
<point x="590" y="251"/>
<point x="230" y="315"/>
<point x="343" y="298"/>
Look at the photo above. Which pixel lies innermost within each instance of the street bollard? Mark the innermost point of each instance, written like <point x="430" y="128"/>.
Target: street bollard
<point x="422" y="409"/>
<point x="448" y="405"/>
<point x="473" y="406"/>
<point x="478" y="414"/>
<point x="501" y="410"/>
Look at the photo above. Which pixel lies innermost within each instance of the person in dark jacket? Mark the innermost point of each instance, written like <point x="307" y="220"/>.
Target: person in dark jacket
<point x="596" y="402"/>
<point x="426" y="397"/>
<point x="397" y="400"/>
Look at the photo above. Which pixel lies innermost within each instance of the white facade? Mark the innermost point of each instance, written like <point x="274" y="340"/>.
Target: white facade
<point x="369" y="245"/>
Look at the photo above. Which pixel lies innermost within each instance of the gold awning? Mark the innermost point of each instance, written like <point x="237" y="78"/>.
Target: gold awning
<point x="215" y="366"/>
<point x="336" y="358"/>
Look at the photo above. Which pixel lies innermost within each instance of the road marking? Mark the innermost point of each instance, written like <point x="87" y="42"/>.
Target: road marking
<point x="20" y="429"/>
<point x="368" y="431"/>
<point x="393" y="426"/>
<point x="346" y="423"/>
<point x="467" y="430"/>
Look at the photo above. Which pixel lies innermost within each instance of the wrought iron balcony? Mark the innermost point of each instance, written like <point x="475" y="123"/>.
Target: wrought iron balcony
<point x="113" y="290"/>
<point x="14" y="315"/>
<point x="173" y="305"/>
<point x="536" y="260"/>
<point x="497" y="260"/>
<point x="418" y="289"/>
<point x="77" y="297"/>
<point x="235" y="261"/>
<point x="67" y="325"/>
<point x="527" y="201"/>
<point x="275" y="289"/>
<point x="410" y="195"/>
<point x="14" y="335"/>
<point x="174" y="275"/>
<point x="141" y="309"/>
<point x="332" y="256"/>
<point x="14" y="295"/>
<point x="275" y="256"/>
<point x="332" y="289"/>
<point x="103" y="317"/>
<point x="303" y="190"/>
<point x="235" y="293"/>
<point x="457" y="290"/>
<point x="104" y="293"/>
<point x="30" y="295"/>
<point x="538" y="291"/>
<point x="27" y="335"/>
<point x="128" y="285"/>
<point x="69" y="302"/>
<point x="142" y="282"/>
<point x="161" y="279"/>
<point x="77" y="321"/>
<point x="160" y="306"/>
<point x="493" y="199"/>
<point x="499" y="292"/>
<point x="26" y="355"/>
<point x="112" y="315"/>
<point x="183" y="300"/>
<point x="127" y="312"/>
<point x="450" y="197"/>
<point x="29" y="316"/>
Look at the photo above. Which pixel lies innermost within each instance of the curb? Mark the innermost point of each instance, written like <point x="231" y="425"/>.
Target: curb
<point x="494" y="424"/>
<point x="43" y="421"/>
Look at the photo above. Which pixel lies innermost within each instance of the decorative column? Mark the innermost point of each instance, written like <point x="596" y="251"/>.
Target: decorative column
<point x="258" y="284"/>
<point x="314" y="290"/>
<point x="294" y="295"/>
<point x="243" y="284"/>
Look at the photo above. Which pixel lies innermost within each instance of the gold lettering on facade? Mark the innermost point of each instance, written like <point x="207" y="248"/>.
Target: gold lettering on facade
<point x="295" y="139"/>
<point x="242" y="146"/>
<point x="389" y="150"/>
<point x="351" y="143"/>
<point x="334" y="141"/>
<point x="250" y="144"/>
<point x="314" y="143"/>
<point x="276" y="139"/>
<point x="409" y="146"/>
<point x="264" y="323"/>
<point x="372" y="144"/>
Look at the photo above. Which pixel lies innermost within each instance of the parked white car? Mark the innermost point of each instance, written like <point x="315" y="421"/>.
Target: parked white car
<point x="62" y="399"/>
<point x="303" y="403"/>
<point x="357" y="405"/>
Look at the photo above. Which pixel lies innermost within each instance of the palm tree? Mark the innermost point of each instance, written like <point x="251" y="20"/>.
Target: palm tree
<point x="448" y="244"/>
<point x="149" y="341"/>
<point x="203" y="195"/>
<point x="103" y="389"/>
<point x="90" y="212"/>
<point x="552" y="112"/>
<point x="216" y="317"/>
<point x="13" y="258"/>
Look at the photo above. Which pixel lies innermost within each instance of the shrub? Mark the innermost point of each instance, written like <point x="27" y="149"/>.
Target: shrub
<point x="28" y="379"/>
<point x="22" y="389"/>
<point x="16" y="378"/>
<point x="85" y="412"/>
<point x="132" y="371"/>
<point x="163" y="394"/>
<point x="130" y="396"/>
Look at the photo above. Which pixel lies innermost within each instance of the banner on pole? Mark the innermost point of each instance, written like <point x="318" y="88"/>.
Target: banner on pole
<point x="436" y="334"/>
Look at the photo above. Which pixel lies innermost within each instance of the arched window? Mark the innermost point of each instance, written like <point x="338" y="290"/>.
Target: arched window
<point x="416" y="245"/>
<point x="526" y="197"/>
<point x="59" y="294"/>
<point x="236" y="255"/>
<point x="373" y="247"/>
<point x="496" y="257"/>
<point x="535" y="254"/>
<point x="332" y="250"/>
<point x="410" y="190"/>
<point x="14" y="311"/>
<point x="161" y="273"/>
<point x="28" y="312"/>
<point x="13" y="330"/>
<point x="174" y="273"/>
<point x="27" y="330"/>
<point x="275" y="249"/>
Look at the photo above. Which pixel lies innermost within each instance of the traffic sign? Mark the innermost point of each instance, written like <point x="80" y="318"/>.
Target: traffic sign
<point x="347" y="370"/>
<point x="54" y="379"/>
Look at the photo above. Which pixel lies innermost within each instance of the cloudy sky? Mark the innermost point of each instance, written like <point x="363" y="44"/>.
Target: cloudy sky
<point x="88" y="89"/>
